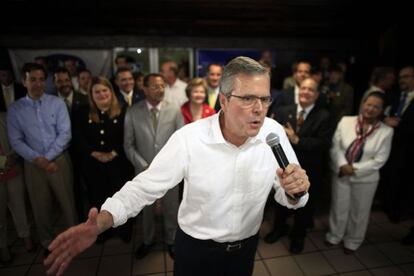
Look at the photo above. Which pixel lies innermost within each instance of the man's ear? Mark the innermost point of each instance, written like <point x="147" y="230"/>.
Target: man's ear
<point x="223" y="100"/>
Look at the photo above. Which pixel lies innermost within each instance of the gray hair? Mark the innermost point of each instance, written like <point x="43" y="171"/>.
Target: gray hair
<point x="237" y="66"/>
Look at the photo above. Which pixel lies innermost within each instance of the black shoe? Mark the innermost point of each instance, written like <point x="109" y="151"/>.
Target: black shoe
<point x="408" y="239"/>
<point x="394" y="217"/>
<point x="328" y="243"/>
<point x="276" y="234"/>
<point x="297" y="245"/>
<point x="143" y="250"/>
<point x="348" y="251"/>
<point x="171" y="250"/>
<point x="6" y="257"/>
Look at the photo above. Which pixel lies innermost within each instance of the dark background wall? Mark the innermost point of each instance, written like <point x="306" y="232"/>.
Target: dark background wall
<point x="350" y="31"/>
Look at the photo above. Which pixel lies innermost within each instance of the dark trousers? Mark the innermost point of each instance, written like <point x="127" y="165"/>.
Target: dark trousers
<point x="302" y="217"/>
<point x="208" y="258"/>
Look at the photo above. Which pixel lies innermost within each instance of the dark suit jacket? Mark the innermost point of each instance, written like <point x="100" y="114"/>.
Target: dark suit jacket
<point x="79" y="100"/>
<point x="402" y="145"/>
<point x="136" y="97"/>
<point x="314" y="138"/>
<point x="287" y="97"/>
<point x="217" y="106"/>
<point x="19" y="92"/>
<point x="102" y="179"/>
<point x="342" y="103"/>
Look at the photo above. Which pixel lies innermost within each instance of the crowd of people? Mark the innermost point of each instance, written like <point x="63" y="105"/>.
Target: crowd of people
<point x="73" y="139"/>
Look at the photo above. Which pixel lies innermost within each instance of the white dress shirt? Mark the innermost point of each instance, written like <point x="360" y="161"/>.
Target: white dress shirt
<point x="306" y="109"/>
<point x="69" y="98"/>
<point x="225" y="189"/>
<point x="10" y="93"/>
<point x="127" y="96"/>
<point x="296" y="91"/>
<point x="176" y="93"/>
<point x="75" y="82"/>
<point x="150" y="107"/>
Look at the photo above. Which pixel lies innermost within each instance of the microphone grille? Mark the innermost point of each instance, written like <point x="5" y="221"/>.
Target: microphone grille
<point x="272" y="139"/>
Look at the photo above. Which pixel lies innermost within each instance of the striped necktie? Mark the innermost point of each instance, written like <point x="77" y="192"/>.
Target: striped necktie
<point x="154" y="112"/>
<point x="300" y="120"/>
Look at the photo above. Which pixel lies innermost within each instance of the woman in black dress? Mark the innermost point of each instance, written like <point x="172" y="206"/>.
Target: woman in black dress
<point x="98" y="134"/>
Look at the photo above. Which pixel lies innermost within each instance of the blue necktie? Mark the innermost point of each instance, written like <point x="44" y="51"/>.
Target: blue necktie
<point x="401" y="104"/>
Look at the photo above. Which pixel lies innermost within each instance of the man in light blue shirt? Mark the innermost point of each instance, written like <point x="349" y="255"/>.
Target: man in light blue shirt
<point x="39" y="131"/>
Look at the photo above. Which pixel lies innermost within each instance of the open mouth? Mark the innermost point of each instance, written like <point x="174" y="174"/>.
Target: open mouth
<point x="255" y="123"/>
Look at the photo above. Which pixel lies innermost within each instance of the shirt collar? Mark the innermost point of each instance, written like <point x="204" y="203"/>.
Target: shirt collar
<point x="8" y="86"/>
<point x="216" y="135"/>
<point x="69" y="98"/>
<point x="125" y="94"/>
<point x="307" y="109"/>
<point x="211" y="90"/>
<point x="409" y="93"/>
<point x="150" y="106"/>
<point x="34" y="102"/>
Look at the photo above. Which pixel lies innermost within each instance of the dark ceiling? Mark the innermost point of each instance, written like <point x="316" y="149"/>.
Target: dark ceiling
<point x="264" y="18"/>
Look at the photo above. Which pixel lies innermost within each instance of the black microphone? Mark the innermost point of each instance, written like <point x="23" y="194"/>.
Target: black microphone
<point x="273" y="140"/>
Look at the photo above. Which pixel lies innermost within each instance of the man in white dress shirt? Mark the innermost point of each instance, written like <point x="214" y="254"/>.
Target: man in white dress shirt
<point x="228" y="170"/>
<point x="175" y="88"/>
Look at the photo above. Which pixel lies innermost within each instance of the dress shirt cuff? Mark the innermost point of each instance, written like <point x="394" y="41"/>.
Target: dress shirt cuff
<point x="117" y="210"/>
<point x="52" y="155"/>
<point x="301" y="202"/>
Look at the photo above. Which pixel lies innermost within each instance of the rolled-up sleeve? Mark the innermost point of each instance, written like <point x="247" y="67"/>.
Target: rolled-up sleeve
<point x="166" y="171"/>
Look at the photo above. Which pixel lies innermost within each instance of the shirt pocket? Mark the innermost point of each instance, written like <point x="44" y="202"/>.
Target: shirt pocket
<point x="50" y="120"/>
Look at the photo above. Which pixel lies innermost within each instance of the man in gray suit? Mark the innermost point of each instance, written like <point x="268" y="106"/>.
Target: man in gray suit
<point x="148" y="126"/>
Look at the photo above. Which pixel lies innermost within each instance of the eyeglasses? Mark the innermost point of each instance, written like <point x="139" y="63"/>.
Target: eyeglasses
<point x="250" y="100"/>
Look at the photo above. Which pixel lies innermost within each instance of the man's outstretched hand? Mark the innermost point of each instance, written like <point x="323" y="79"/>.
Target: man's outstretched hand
<point x="70" y="243"/>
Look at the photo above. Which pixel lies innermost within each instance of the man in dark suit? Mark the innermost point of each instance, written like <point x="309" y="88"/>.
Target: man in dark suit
<point x="291" y="95"/>
<point x="74" y="101"/>
<point x="125" y="89"/>
<point x="308" y="129"/>
<point x="214" y="73"/>
<point x="396" y="174"/>
<point x="10" y="90"/>
<point x="340" y="95"/>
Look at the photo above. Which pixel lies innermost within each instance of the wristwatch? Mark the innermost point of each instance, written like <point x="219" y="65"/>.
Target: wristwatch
<point x="291" y="197"/>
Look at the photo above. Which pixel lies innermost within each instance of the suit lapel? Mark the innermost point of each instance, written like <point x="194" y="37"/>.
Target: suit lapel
<point x="291" y="116"/>
<point x="164" y="113"/>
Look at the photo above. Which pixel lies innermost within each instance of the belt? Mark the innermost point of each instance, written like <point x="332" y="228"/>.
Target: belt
<point x="227" y="246"/>
<point x="233" y="246"/>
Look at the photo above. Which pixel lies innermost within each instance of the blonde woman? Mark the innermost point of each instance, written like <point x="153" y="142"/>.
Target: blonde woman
<point x="196" y="107"/>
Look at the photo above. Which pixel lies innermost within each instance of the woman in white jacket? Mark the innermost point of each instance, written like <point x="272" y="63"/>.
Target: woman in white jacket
<point x="361" y="146"/>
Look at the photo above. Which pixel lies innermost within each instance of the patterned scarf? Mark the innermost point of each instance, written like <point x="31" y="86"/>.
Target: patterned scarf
<point x="356" y="149"/>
